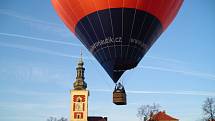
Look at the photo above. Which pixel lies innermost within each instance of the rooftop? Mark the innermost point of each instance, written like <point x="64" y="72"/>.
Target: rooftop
<point x="162" y="116"/>
<point x="97" y="118"/>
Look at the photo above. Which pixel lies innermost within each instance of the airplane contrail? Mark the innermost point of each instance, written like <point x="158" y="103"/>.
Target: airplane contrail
<point x="192" y="93"/>
<point x="40" y="50"/>
<point x="26" y="18"/>
<point x="199" y="74"/>
<point x="40" y="39"/>
<point x="165" y="59"/>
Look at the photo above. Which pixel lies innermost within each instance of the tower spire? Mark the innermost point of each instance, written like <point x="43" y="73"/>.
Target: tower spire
<point x="79" y="95"/>
<point x="79" y="83"/>
<point x="81" y="60"/>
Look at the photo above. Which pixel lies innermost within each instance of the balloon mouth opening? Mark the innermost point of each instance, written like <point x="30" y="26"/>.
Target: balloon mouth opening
<point x="124" y="65"/>
<point x="119" y="69"/>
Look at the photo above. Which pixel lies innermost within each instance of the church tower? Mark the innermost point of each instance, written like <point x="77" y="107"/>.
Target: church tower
<point x="79" y="95"/>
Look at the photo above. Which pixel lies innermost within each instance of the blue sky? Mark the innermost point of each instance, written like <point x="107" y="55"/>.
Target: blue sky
<point x="38" y="56"/>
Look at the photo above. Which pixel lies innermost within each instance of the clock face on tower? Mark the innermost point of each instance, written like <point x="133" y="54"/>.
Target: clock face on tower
<point x="78" y="106"/>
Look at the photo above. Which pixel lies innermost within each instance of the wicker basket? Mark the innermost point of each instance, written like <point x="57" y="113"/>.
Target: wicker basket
<point x="119" y="97"/>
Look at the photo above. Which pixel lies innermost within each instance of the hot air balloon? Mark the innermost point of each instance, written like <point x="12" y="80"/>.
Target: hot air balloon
<point x="117" y="32"/>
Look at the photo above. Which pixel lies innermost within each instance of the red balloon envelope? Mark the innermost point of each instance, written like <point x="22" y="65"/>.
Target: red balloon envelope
<point x="117" y="32"/>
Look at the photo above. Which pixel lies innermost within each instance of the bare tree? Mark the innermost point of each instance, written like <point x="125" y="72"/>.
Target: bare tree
<point x="55" y="119"/>
<point x="146" y="111"/>
<point x="209" y="109"/>
<point x="62" y="119"/>
<point x="52" y="119"/>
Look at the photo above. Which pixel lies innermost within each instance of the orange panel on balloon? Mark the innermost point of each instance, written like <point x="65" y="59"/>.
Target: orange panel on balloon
<point x="116" y="3"/>
<point x="130" y="4"/>
<point x="164" y="10"/>
<point x="63" y="14"/>
<point x="101" y="4"/>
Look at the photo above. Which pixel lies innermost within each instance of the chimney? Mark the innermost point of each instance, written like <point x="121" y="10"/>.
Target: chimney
<point x="105" y="118"/>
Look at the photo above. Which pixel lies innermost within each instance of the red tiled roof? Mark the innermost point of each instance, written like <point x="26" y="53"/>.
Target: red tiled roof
<point x="162" y="116"/>
<point x="96" y="118"/>
<point x="211" y="120"/>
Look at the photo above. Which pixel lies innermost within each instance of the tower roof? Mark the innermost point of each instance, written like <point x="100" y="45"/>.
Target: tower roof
<point x="79" y="83"/>
<point x="162" y="116"/>
<point x="97" y="118"/>
<point x="80" y="60"/>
